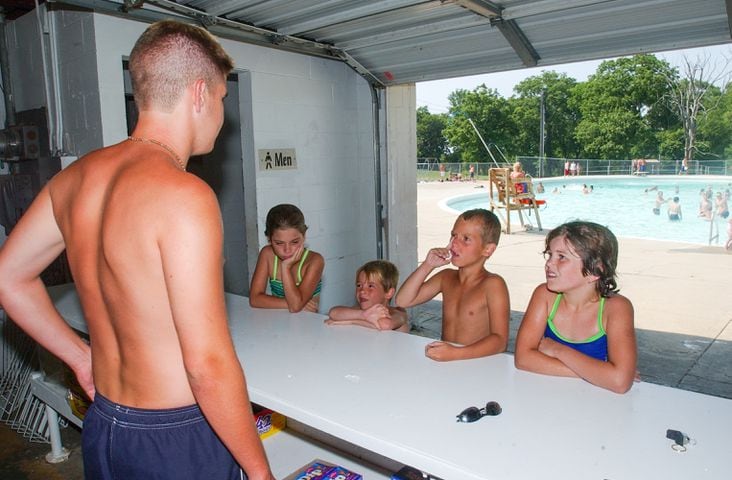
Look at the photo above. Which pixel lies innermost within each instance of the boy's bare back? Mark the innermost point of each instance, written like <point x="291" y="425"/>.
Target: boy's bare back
<point x="98" y="202"/>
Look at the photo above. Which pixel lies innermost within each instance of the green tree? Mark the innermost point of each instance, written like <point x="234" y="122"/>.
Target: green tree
<point x="714" y="130"/>
<point x="431" y="142"/>
<point x="491" y="114"/>
<point x="723" y="116"/>
<point x="670" y="143"/>
<point x="560" y="118"/>
<point x="622" y="107"/>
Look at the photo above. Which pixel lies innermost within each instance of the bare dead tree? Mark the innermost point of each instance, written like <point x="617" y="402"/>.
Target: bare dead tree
<point x="689" y="91"/>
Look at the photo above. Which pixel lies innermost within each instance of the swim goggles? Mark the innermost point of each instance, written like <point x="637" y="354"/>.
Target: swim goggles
<point x="473" y="414"/>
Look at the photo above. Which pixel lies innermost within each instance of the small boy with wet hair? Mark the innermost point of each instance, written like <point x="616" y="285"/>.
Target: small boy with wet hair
<point x="376" y="283"/>
<point x="475" y="302"/>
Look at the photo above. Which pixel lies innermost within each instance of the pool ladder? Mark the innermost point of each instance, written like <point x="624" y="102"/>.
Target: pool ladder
<point x="712" y="227"/>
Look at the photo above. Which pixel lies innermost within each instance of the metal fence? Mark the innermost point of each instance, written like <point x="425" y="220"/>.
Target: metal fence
<point x="430" y="171"/>
<point x="554" y="167"/>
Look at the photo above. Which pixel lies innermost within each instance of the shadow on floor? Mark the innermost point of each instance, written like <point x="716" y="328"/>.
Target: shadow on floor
<point x="24" y="460"/>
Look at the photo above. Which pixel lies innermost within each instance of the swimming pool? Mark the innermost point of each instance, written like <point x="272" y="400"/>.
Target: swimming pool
<point x="623" y="203"/>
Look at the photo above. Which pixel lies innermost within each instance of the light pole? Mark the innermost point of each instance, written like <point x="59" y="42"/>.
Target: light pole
<point x="542" y="135"/>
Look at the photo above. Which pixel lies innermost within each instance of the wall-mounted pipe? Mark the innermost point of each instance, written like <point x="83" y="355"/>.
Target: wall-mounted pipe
<point x="51" y="97"/>
<point x="56" y="143"/>
<point x="5" y="73"/>
<point x="377" y="172"/>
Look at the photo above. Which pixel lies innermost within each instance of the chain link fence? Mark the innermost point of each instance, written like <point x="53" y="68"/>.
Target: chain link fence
<point x="432" y="171"/>
<point x="453" y="172"/>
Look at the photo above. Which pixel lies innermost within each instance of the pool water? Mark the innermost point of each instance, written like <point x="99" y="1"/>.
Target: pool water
<point x="624" y="204"/>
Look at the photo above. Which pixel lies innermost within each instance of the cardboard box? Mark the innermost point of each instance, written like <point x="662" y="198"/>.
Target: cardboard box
<point x="322" y="470"/>
<point x="268" y="422"/>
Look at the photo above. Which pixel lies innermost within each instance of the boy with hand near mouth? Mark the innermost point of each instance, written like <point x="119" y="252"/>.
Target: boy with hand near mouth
<point x="376" y="283"/>
<point x="475" y="302"/>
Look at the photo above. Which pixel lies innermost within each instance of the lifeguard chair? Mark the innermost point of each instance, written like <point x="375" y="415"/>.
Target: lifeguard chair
<point x="508" y="194"/>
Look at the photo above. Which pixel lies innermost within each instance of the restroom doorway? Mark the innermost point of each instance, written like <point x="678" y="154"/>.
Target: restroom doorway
<point x="223" y="171"/>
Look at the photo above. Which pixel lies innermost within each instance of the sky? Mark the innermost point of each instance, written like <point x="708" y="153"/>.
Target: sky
<point x="434" y="94"/>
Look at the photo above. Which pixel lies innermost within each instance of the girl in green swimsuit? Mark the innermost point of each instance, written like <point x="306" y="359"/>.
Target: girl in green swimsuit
<point x="292" y="272"/>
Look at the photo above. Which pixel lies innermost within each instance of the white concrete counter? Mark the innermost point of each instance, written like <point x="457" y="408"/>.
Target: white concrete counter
<point x="377" y="390"/>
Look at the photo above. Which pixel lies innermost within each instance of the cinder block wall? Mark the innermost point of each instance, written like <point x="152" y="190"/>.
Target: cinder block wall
<point x="319" y="107"/>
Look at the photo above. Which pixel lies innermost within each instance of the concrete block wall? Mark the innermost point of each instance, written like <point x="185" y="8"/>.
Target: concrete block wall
<point x="26" y="65"/>
<point x="400" y="177"/>
<point x="319" y="107"/>
<point x="322" y="109"/>
<point x="79" y="92"/>
<point x="82" y="117"/>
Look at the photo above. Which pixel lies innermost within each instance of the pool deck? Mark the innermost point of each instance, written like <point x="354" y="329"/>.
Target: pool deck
<point x="680" y="292"/>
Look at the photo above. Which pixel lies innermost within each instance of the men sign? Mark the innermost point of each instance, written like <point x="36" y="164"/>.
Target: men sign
<point x="277" y="159"/>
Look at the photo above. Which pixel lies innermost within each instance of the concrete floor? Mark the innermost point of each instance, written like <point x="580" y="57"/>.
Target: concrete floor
<point x="24" y="460"/>
<point x="680" y="293"/>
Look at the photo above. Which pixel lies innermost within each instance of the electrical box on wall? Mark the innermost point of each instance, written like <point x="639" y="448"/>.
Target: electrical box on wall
<point x="21" y="142"/>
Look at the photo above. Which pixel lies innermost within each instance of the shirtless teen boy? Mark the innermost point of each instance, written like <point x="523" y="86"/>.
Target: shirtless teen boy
<point x="144" y="241"/>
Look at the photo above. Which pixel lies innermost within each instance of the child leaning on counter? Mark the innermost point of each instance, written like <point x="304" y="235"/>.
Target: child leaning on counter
<point x="576" y="324"/>
<point x="475" y="303"/>
<point x="292" y="271"/>
<point x="376" y="283"/>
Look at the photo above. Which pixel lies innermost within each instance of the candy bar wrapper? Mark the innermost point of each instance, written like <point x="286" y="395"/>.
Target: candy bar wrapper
<point x="340" y="473"/>
<point x="313" y="471"/>
<point x="321" y="470"/>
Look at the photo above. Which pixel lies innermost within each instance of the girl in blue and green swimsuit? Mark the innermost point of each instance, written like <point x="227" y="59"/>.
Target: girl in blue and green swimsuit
<point x="576" y="324"/>
<point x="292" y="272"/>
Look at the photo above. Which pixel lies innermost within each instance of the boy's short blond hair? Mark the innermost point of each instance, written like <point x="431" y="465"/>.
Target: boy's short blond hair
<point x="491" y="229"/>
<point x="168" y="57"/>
<point x="382" y="270"/>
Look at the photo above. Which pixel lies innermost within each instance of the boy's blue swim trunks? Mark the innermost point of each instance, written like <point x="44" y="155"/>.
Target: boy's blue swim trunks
<point x="122" y="443"/>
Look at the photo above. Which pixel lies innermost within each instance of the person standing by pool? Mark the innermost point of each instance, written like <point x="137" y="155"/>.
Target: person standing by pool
<point x="705" y="205"/>
<point x="674" y="210"/>
<point x="659" y="201"/>
<point x="721" y="205"/>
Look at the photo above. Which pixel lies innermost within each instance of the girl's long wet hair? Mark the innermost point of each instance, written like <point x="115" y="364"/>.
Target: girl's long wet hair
<point x="597" y="246"/>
